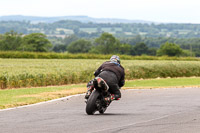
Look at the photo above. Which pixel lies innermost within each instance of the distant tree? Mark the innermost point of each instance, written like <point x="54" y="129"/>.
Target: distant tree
<point x="138" y="39"/>
<point x="152" y="51"/>
<point x="10" y="41"/>
<point x="132" y="40"/>
<point x="112" y="29"/>
<point x="36" y="42"/>
<point x="170" y="49"/>
<point x="107" y="43"/>
<point x="69" y="39"/>
<point x="99" y="29"/>
<point x="82" y="34"/>
<point x="139" y="49"/>
<point x="187" y="53"/>
<point x="46" y="32"/>
<point x="59" y="48"/>
<point x="76" y="30"/>
<point x="124" y="49"/>
<point x="62" y="32"/>
<point x="197" y="52"/>
<point x="79" y="46"/>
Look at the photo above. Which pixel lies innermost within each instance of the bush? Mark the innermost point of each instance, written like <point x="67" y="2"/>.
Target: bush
<point x="52" y="55"/>
<point x="169" y="49"/>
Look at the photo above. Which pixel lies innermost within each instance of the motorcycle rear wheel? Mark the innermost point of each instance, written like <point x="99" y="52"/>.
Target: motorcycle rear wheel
<point x="91" y="103"/>
<point x="102" y="110"/>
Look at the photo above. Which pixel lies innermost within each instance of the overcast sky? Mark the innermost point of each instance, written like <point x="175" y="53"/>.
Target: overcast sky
<point x="187" y="11"/>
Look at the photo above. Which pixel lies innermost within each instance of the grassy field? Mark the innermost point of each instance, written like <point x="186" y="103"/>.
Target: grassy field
<point x="16" y="73"/>
<point x="166" y="82"/>
<point x="24" y="96"/>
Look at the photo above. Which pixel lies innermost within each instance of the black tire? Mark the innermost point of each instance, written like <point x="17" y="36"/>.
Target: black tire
<point x="102" y="110"/>
<point x="91" y="103"/>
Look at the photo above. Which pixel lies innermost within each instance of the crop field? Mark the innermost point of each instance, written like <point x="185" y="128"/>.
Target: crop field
<point x="16" y="73"/>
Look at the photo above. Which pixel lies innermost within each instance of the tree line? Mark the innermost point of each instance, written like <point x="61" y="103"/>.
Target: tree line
<point x="106" y="43"/>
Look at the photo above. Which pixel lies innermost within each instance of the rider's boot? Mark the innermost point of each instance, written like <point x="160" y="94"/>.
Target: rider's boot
<point x="109" y="99"/>
<point x="88" y="93"/>
<point x="90" y="88"/>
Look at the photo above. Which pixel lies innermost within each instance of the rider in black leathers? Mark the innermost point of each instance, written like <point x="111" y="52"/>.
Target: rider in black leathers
<point x="113" y="73"/>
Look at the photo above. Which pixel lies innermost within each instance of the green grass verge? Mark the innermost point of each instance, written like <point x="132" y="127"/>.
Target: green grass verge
<point x="160" y="83"/>
<point x="24" y="96"/>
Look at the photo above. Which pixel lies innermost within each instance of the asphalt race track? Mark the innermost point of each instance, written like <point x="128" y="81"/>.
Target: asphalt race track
<point x="175" y="110"/>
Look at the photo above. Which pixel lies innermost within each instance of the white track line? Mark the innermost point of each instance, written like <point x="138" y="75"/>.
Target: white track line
<point x="59" y="99"/>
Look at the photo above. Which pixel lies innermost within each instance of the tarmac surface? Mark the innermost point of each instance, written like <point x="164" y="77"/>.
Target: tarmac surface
<point x="173" y="110"/>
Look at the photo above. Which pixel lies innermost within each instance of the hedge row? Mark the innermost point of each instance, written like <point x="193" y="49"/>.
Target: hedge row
<point x="51" y="55"/>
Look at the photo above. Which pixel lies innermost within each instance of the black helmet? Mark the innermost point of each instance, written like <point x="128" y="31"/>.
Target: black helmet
<point x="115" y="59"/>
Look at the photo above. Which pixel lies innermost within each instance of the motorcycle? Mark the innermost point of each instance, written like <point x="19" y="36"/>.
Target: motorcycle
<point x="96" y="101"/>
